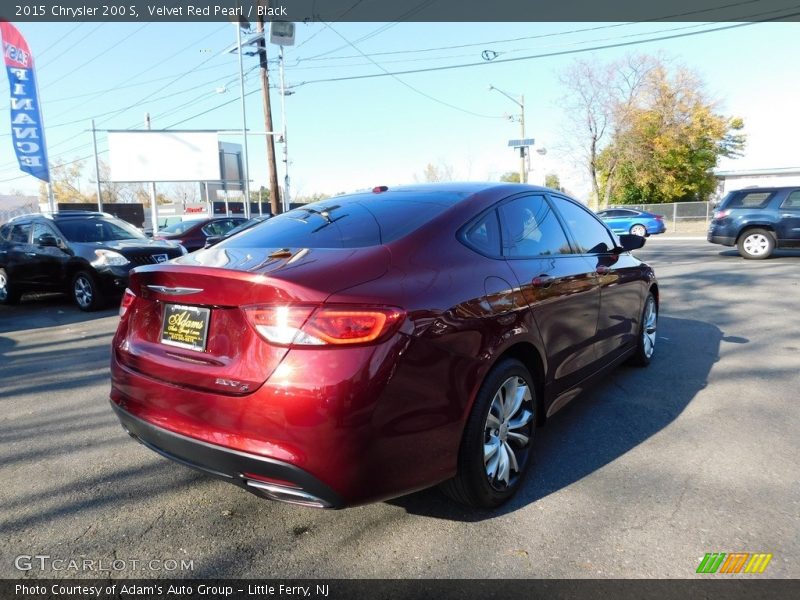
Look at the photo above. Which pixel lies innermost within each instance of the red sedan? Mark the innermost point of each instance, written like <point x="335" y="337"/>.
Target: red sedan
<point x="366" y="346"/>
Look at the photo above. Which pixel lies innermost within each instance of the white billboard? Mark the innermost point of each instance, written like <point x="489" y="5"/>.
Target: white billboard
<point x="164" y="156"/>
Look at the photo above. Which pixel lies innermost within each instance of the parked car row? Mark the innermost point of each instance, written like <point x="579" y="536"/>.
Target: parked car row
<point x="89" y="254"/>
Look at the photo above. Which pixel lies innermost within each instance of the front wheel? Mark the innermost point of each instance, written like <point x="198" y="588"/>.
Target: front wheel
<point x="86" y="292"/>
<point x="756" y="244"/>
<point x="8" y="295"/>
<point x="639" y="230"/>
<point x="646" y="346"/>
<point x="496" y="447"/>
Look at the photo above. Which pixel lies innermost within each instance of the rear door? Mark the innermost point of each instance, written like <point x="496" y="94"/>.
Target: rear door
<point x="788" y="227"/>
<point x="558" y="285"/>
<point x="46" y="262"/>
<point x="18" y="253"/>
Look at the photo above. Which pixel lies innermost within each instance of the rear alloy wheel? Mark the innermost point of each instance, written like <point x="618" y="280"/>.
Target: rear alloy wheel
<point x="756" y="244"/>
<point x="639" y="230"/>
<point x="86" y="292"/>
<point x="647" y="333"/>
<point x="495" y="449"/>
<point x="8" y="295"/>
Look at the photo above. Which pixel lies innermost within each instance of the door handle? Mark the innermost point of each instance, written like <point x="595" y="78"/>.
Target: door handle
<point x="542" y="281"/>
<point x="31" y="253"/>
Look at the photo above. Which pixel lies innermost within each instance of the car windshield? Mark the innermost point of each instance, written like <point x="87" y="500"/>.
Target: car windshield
<point x="98" y="229"/>
<point x="348" y="221"/>
<point x="181" y="226"/>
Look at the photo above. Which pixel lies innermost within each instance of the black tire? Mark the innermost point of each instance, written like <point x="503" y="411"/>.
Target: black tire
<point x="8" y="295"/>
<point x="473" y="484"/>
<point x="756" y="244"/>
<point x="639" y="230"/>
<point x="646" y="345"/>
<point x="86" y="293"/>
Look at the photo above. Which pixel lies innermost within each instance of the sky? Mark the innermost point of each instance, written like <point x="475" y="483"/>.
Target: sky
<point x="353" y="134"/>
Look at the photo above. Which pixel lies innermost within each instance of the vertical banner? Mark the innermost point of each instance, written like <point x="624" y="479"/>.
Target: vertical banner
<point x="27" y="131"/>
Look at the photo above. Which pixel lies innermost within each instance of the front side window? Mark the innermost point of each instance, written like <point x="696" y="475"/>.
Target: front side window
<point x="530" y="228"/>
<point x="589" y="233"/>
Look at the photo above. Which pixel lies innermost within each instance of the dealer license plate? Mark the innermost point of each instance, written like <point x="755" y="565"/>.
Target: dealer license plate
<point x="185" y="326"/>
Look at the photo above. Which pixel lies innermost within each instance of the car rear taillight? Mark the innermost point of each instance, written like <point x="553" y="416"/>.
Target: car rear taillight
<point x="721" y="214"/>
<point x="659" y="217"/>
<point x="127" y="300"/>
<point x="322" y="326"/>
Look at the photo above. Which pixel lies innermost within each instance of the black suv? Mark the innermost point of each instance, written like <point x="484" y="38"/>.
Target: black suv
<point x="87" y="254"/>
<point x="758" y="220"/>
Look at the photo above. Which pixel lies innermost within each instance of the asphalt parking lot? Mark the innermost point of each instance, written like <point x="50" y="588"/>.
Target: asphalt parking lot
<point x="639" y="477"/>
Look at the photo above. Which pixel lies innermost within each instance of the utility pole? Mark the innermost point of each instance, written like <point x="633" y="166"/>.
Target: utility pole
<point x="246" y="190"/>
<point x="274" y="189"/>
<point x="97" y="169"/>
<point x="153" y="197"/>
<point x="285" y="136"/>
<point x="523" y="172"/>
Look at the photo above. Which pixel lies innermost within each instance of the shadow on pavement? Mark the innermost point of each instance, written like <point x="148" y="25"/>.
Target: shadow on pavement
<point x="36" y="311"/>
<point x="618" y="413"/>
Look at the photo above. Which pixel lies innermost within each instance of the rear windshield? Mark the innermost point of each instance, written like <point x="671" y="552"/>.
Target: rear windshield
<point x="748" y="199"/>
<point x="348" y="221"/>
<point x="98" y="230"/>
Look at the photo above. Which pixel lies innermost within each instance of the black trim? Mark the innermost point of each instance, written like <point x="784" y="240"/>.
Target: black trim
<point x="220" y="462"/>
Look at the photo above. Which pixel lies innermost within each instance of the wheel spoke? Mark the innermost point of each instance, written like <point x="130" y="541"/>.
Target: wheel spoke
<point x="503" y="470"/>
<point x="490" y="449"/>
<point x="491" y="466"/>
<point x="512" y="458"/>
<point x="492" y="422"/>
<point x="511" y="388"/>
<point x="519" y="439"/>
<point x="520" y="421"/>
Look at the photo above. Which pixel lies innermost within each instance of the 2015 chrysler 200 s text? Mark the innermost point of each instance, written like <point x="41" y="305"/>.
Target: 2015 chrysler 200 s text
<point x="366" y="346"/>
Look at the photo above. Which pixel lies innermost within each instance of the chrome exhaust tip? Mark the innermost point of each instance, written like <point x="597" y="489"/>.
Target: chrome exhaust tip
<point x="286" y="494"/>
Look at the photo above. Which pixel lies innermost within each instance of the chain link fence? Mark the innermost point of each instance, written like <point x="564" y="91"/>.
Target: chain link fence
<point x="680" y="217"/>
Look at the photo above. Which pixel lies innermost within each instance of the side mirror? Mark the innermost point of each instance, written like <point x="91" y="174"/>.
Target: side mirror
<point x="213" y="239"/>
<point x="47" y="240"/>
<point x="631" y="242"/>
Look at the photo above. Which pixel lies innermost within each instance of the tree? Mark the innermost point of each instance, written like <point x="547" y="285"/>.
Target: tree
<point x="552" y="181"/>
<point x="644" y="134"/>
<point x="510" y="177"/>
<point x="65" y="180"/>
<point x="598" y="102"/>
<point x="671" y="143"/>
<point x="434" y="173"/>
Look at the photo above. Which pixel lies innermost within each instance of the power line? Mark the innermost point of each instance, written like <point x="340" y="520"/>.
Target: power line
<point x="324" y="56"/>
<point x="411" y="87"/>
<point x="544" y="55"/>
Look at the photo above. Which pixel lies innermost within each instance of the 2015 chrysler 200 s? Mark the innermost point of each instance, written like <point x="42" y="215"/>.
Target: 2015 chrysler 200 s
<point x="366" y="346"/>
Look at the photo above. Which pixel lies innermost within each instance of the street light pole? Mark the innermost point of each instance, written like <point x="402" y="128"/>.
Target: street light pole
<point x="523" y="173"/>
<point x="246" y="173"/>
<point x="285" y="138"/>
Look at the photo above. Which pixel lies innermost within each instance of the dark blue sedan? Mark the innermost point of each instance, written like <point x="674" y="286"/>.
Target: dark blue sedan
<point x="635" y="222"/>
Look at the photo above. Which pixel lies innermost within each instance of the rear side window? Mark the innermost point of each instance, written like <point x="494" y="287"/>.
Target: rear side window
<point x="748" y="200"/>
<point x="20" y="233"/>
<point x="347" y="221"/>
<point x="484" y="235"/>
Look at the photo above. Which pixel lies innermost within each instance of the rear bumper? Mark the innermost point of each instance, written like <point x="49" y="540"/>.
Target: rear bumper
<point x="721" y="239"/>
<point x="262" y="476"/>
